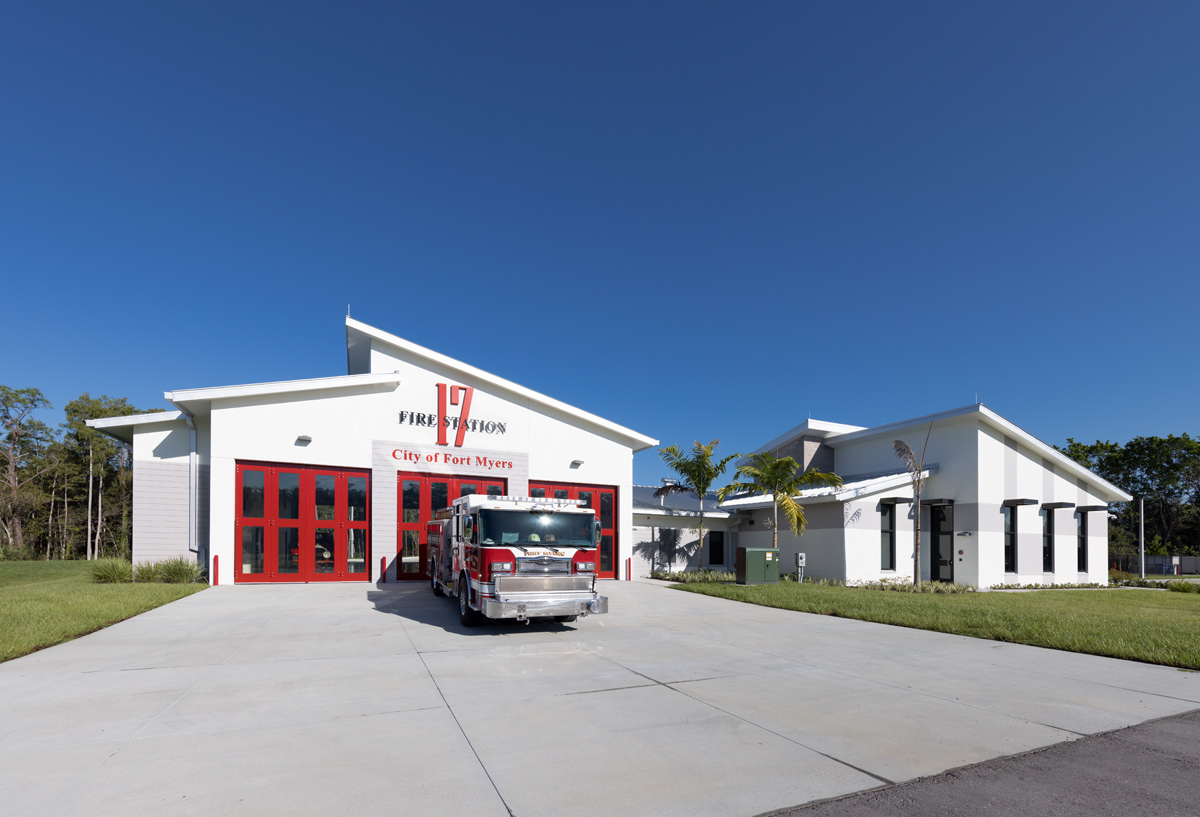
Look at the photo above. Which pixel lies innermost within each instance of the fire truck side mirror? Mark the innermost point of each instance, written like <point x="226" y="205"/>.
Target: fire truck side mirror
<point x="596" y="534"/>
<point x="468" y="527"/>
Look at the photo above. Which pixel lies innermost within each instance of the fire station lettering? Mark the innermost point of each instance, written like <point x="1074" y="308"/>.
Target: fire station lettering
<point x="446" y="458"/>
<point x="445" y="422"/>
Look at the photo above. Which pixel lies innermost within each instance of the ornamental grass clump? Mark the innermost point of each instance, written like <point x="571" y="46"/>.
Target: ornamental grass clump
<point x="145" y="572"/>
<point x="907" y="586"/>
<point x="110" y="571"/>
<point x="1180" y="586"/>
<point x="180" y="570"/>
<point x="693" y="576"/>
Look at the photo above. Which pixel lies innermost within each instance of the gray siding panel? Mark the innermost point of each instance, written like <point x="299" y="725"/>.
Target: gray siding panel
<point x="160" y="510"/>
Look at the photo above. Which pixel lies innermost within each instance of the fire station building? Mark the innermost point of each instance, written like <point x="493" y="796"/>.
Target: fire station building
<point x="324" y="479"/>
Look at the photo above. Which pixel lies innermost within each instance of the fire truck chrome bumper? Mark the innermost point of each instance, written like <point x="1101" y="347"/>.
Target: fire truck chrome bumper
<point x="523" y="607"/>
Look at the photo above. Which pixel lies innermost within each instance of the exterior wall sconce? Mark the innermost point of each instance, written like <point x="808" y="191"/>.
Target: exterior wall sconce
<point x="303" y="439"/>
<point x="576" y="463"/>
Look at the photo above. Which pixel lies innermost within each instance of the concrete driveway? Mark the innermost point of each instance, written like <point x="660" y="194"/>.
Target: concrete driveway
<point x="362" y="700"/>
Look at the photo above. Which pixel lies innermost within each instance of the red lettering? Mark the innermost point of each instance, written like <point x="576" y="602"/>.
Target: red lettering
<point x="466" y="392"/>
<point x="441" y="440"/>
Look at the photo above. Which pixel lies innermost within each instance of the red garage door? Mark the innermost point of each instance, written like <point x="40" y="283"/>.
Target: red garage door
<point x="603" y="500"/>
<point x="298" y="523"/>
<point x="417" y="497"/>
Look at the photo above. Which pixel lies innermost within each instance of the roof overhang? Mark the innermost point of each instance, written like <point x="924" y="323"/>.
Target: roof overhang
<point x="852" y="488"/>
<point x="680" y="514"/>
<point x="199" y="401"/>
<point x="123" y="428"/>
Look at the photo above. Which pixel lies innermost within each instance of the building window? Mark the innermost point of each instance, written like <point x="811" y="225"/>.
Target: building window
<point x="1010" y="538"/>
<point x="1048" y="540"/>
<point x="1082" y="536"/>
<point x="887" y="536"/>
<point x="716" y="547"/>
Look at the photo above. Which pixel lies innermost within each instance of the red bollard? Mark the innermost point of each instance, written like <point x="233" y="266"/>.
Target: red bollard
<point x="216" y="577"/>
<point x="383" y="570"/>
<point x="629" y="569"/>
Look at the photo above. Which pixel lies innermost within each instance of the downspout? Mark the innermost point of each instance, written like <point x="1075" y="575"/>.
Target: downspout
<point x="193" y="479"/>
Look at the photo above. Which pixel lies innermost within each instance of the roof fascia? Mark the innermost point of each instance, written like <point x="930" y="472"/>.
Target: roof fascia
<point x="692" y="514"/>
<point x="123" y="428"/>
<point x="349" y="381"/>
<point x="640" y="441"/>
<point x="861" y="489"/>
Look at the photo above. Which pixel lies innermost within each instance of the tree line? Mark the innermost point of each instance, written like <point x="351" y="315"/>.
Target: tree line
<point x="1161" y="472"/>
<point x="66" y="491"/>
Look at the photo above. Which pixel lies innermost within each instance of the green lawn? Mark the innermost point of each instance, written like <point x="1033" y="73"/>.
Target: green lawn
<point x="47" y="603"/>
<point x="1143" y="625"/>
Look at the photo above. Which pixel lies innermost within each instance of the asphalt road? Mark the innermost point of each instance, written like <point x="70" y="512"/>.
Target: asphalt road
<point x="1151" y="769"/>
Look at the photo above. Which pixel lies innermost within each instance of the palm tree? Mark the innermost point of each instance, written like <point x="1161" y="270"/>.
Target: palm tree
<point x="916" y="472"/>
<point x="777" y="477"/>
<point x="697" y="472"/>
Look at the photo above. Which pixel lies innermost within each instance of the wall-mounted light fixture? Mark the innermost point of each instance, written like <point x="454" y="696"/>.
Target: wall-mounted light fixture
<point x="303" y="439"/>
<point x="576" y="463"/>
<point x="963" y="533"/>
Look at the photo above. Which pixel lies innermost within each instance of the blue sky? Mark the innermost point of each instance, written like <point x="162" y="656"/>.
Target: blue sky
<point x="699" y="220"/>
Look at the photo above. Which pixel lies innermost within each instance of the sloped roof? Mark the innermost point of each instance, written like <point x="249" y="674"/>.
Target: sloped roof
<point x="680" y="504"/>
<point x="832" y="436"/>
<point x="356" y="331"/>
<point x="852" y="488"/>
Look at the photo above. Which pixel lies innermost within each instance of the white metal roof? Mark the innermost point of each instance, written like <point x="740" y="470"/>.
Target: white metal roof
<point x="122" y="427"/>
<point x="853" y="488"/>
<point x="200" y="400"/>
<point x="639" y="442"/>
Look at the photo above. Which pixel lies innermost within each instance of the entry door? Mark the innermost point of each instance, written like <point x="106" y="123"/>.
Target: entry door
<point x="941" y="552"/>
<point x="603" y="501"/>
<point x="419" y="496"/>
<point x="300" y="524"/>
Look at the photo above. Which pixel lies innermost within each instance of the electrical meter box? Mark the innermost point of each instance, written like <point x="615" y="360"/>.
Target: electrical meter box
<point x="757" y="566"/>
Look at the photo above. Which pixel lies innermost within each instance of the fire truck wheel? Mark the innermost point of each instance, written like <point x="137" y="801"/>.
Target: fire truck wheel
<point x="565" y="619"/>
<point x="437" y="588"/>
<point x="466" y="615"/>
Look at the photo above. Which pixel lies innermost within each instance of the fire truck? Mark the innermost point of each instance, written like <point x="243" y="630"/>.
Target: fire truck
<point x="516" y="557"/>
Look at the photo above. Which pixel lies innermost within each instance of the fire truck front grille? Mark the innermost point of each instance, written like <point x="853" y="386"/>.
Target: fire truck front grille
<point x="543" y="584"/>
<point x="544" y="565"/>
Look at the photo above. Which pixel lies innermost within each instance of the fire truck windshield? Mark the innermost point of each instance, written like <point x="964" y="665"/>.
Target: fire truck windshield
<point x="536" y="529"/>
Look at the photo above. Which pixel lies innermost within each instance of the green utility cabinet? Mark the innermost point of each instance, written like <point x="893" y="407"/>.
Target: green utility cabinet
<point x="757" y="566"/>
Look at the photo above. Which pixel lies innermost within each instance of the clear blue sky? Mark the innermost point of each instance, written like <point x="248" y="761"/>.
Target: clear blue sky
<point x="695" y="219"/>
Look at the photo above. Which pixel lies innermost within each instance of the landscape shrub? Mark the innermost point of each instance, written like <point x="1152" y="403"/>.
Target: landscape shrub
<point x="110" y="571"/>
<point x="693" y="576"/>
<point x="180" y="570"/>
<point x="1063" y="586"/>
<point x="145" y="572"/>
<point x="1180" y="586"/>
<point x="906" y="586"/>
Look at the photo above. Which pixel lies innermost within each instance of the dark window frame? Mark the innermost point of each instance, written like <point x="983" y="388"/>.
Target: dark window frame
<point x="1081" y="543"/>
<point x="887" y="536"/>
<point x="1048" y="541"/>
<point x="1011" y="564"/>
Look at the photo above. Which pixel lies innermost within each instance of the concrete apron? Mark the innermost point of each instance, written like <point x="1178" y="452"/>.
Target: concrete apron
<point x="362" y="700"/>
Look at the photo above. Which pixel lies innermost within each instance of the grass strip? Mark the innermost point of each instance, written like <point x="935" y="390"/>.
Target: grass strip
<point x="47" y="603"/>
<point x="1140" y="625"/>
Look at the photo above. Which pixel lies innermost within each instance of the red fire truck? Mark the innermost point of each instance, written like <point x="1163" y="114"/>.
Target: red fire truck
<point x="516" y="557"/>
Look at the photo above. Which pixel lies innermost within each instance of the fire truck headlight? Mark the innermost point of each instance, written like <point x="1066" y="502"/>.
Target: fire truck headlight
<point x="500" y="567"/>
<point x="585" y="567"/>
